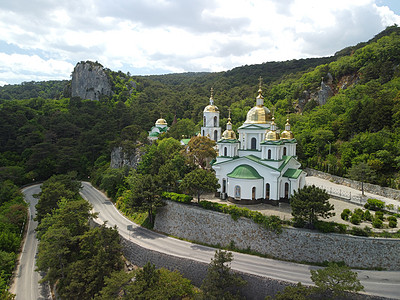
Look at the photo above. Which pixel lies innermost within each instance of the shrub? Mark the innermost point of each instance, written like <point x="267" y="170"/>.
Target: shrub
<point x="359" y="212"/>
<point x="355" y="219"/>
<point x="379" y="215"/>
<point x="368" y="216"/>
<point x="377" y="223"/>
<point x="359" y="231"/>
<point x="392" y="221"/>
<point x="345" y="215"/>
<point x="182" y="198"/>
<point x="390" y="207"/>
<point x="327" y="227"/>
<point x="374" y="204"/>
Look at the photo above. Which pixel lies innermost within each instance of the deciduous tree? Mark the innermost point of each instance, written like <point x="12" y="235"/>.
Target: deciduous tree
<point x="198" y="182"/>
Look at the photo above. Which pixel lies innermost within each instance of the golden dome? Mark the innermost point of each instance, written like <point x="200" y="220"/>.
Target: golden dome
<point x="287" y="134"/>
<point x="211" y="108"/>
<point x="272" y="135"/>
<point x="258" y="115"/>
<point x="161" y="122"/>
<point x="229" y="135"/>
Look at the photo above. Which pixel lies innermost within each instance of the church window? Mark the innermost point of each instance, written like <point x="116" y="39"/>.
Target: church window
<point x="286" y="190"/>
<point x="215" y="121"/>
<point x="267" y="191"/>
<point x="225" y="151"/>
<point x="269" y="153"/>
<point x="253" y="143"/>
<point x="205" y="121"/>
<point x="284" y="150"/>
<point x="203" y="133"/>
<point x="215" y="135"/>
<point x="224" y="185"/>
<point x="253" y="193"/>
<point x="237" y="192"/>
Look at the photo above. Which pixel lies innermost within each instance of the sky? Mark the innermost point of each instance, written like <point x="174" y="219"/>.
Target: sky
<point x="45" y="39"/>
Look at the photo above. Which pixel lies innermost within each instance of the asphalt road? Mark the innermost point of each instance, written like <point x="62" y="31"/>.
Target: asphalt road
<point x="26" y="284"/>
<point x="380" y="283"/>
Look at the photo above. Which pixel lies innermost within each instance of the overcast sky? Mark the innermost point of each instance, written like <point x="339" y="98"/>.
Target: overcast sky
<point x="44" y="39"/>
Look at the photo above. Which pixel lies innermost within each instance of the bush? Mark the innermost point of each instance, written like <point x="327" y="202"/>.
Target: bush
<point x="379" y="215"/>
<point x="375" y="204"/>
<point x="368" y="216"/>
<point x="359" y="212"/>
<point x="345" y="215"/>
<point x="355" y="219"/>
<point x="182" y="198"/>
<point x="327" y="227"/>
<point x="392" y="221"/>
<point x="360" y="231"/>
<point x="377" y="223"/>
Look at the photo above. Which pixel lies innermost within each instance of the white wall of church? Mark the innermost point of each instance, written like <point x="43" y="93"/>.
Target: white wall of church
<point x="244" y="188"/>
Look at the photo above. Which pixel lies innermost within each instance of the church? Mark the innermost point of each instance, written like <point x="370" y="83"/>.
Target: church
<point x="259" y="166"/>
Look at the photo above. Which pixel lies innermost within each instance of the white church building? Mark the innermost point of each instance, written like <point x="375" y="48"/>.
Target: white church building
<point x="259" y="166"/>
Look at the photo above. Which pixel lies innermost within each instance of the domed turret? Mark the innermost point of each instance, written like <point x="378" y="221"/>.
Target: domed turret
<point x="287" y="134"/>
<point x="259" y="114"/>
<point x="229" y="134"/>
<point x="211" y="107"/>
<point x="272" y="135"/>
<point x="161" y="122"/>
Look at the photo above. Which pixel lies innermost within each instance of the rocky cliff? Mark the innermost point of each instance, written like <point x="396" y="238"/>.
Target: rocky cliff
<point x="121" y="158"/>
<point x="90" y="81"/>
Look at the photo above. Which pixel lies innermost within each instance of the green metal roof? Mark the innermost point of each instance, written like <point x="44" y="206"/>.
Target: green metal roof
<point x="185" y="141"/>
<point x="251" y="127"/>
<point x="154" y="134"/>
<point x="292" y="173"/>
<point x="244" y="172"/>
<point x="228" y="141"/>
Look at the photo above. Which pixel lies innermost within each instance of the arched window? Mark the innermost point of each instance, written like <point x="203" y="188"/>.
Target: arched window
<point x="253" y="143"/>
<point x="287" y="190"/>
<point x="215" y="135"/>
<point x="284" y="150"/>
<point x="267" y="191"/>
<point x="269" y="153"/>
<point x="225" y="151"/>
<point x="224" y="185"/>
<point x="237" y="192"/>
<point x="253" y="193"/>
<point x="205" y="121"/>
<point x="215" y="121"/>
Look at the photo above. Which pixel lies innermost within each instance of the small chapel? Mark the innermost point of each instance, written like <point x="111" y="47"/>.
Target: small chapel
<point x="259" y="166"/>
<point x="159" y="127"/>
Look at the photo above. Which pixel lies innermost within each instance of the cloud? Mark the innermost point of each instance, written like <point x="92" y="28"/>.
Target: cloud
<point x="44" y="39"/>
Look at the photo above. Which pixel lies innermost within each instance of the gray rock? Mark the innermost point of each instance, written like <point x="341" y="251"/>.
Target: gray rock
<point x="121" y="158"/>
<point x="90" y="81"/>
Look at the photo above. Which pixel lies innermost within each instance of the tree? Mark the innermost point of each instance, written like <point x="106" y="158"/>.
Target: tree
<point x="336" y="279"/>
<point x="220" y="282"/>
<point x="199" y="181"/>
<point x="200" y="148"/>
<point x="145" y="193"/>
<point x="308" y="204"/>
<point x="361" y="172"/>
<point x="298" y="292"/>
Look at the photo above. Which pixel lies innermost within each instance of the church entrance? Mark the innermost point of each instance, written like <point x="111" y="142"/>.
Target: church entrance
<point x="267" y="188"/>
<point x="253" y="193"/>
<point x="286" y="190"/>
<point x="223" y="185"/>
<point x="253" y="143"/>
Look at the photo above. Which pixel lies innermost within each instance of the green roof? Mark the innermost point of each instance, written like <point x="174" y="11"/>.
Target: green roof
<point x="185" y="141"/>
<point x="252" y="127"/>
<point x="228" y="141"/>
<point x="244" y="172"/>
<point x="154" y="134"/>
<point x="292" y="173"/>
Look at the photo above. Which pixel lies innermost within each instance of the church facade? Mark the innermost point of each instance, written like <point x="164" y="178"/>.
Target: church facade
<point x="159" y="127"/>
<point x="260" y="165"/>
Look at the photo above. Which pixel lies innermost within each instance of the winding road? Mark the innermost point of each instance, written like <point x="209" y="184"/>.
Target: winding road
<point x="380" y="283"/>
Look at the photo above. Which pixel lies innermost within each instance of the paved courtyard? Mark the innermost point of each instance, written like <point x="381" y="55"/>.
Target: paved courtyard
<point x="284" y="210"/>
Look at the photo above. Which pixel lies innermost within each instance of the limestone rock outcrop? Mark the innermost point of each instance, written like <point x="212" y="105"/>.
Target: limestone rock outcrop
<point x="90" y="81"/>
<point x="121" y="158"/>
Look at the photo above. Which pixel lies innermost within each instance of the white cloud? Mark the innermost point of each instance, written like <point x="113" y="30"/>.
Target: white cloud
<point x="45" y="38"/>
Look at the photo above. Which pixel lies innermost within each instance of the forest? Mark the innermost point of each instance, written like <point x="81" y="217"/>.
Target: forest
<point x="45" y="132"/>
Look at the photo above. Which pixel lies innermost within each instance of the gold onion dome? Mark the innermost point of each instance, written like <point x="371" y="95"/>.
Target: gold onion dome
<point x="259" y="114"/>
<point x="272" y="135"/>
<point x="161" y="122"/>
<point x="211" y="107"/>
<point x="229" y="134"/>
<point x="287" y="134"/>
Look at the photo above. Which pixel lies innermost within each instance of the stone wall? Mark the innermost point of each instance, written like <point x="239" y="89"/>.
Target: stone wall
<point x="369" y="188"/>
<point x="197" y="224"/>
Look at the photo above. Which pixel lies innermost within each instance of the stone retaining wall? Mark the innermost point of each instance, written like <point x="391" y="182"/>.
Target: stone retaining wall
<point x="204" y="226"/>
<point x="368" y="187"/>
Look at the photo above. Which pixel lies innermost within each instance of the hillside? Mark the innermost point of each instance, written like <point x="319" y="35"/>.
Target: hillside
<point x="43" y="130"/>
